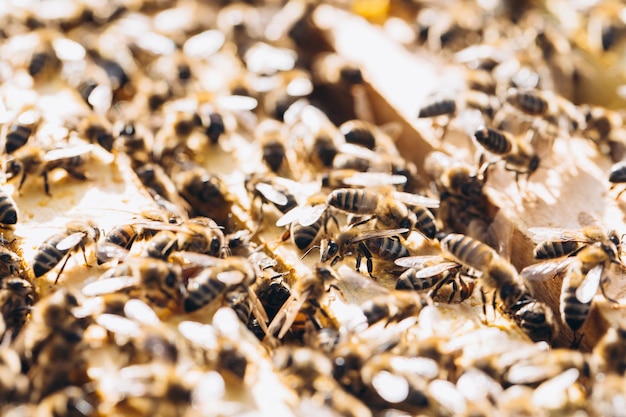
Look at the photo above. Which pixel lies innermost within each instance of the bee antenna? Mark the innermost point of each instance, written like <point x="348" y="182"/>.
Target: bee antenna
<point x="309" y="250"/>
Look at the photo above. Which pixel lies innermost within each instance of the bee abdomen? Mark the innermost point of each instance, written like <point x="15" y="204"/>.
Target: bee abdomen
<point x="17" y="136"/>
<point x="47" y="256"/>
<point x="408" y="281"/>
<point x="437" y="108"/>
<point x="355" y="201"/>
<point x="304" y="236"/>
<point x="529" y="102"/>
<point x="574" y="312"/>
<point x="274" y="154"/>
<point x="493" y="140"/>
<point x="388" y="248"/>
<point x="8" y="212"/>
<point x="471" y="252"/>
<point x="425" y="222"/>
<point x="357" y="133"/>
<point x="202" y="292"/>
<point x="552" y="250"/>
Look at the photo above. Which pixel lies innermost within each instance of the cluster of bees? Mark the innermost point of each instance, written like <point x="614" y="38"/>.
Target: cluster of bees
<point x="269" y="183"/>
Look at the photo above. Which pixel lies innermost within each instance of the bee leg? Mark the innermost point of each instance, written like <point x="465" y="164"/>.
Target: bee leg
<point x="455" y="288"/>
<point x="67" y="258"/>
<point x="610" y="299"/>
<point x="46" y="184"/>
<point x="368" y="256"/>
<point x="21" y="184"/>
<point x="437" y="287"/>
<point x="576" y="341"/>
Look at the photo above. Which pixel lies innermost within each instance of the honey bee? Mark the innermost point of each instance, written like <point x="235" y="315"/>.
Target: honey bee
<point x="16" y="299"/>
<point x="202" y="235"/>
<point x="214" y="127"/>
<point x="8" y="209"/>
<point x="499" y="275"/>
<point x="60" y="246"/>
<point x="18" y="132"/>
<point x="307" y="297"/>
<point x="363" y="201"/>
<point x="394" y="306"/>
<point x="97" y="130"/>
<point x="618" y="176"/>
<point x="518" y="155"/>
<point x="44" y="63"/>
<point x="273" y="293"/>
<point x="172" y="138"/>
<point x="433" y="272"/>
<point x="608" y="354"/>
<point x="31" y="160"/>
<point x="309" y="373"/>
<point x="275" y="190"/>
<point x="154" y="280"/>
<point x="386" y="245"/>
<point x="216" y="280"/>
<point x="605" y="129"/>
<point x="161" y="245"/>
<point x="270" y="136"/>
<point x="359" y="133"/>
<point x="554" y="243"/>
<point x="205" y="193"/>
<point x="439" y="107"/>
<point x="531" y="102"/>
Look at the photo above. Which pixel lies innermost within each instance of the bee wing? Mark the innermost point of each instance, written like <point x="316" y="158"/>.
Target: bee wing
<point x="372" y="234"/>
<point x="291" y="314"/>
<point x="586" y="219"/>
<point x="199" y="259"/>
<point x="141" y="312"/>
<point x="305" y="215"/>
<point x="435" y="269"/>
<point x="374" y="179"/>
<point x="107" y="251"/>
<point x="415" y="199"/>
<point x="554" y="234"/>
<point x="545" y="270"/>
<point x="231" y="278"/>
<point x="356" y="287"/>
<point x="68" y="152"/>
<point x="109" y="285"/>
<point x="258" y="310"/>
<point x="237" y="103"/>
<point x="271" y="194"/>
<point x="70" y="241"/>
<point x="589" y="286"/>
<point x="119" y="325"/>
<point x="418" y="261"/>
<point x="68" y="50"/>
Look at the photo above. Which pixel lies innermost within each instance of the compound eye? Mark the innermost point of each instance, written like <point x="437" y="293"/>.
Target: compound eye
<point x="333" y="248"/>
<point x="170" y="280"/>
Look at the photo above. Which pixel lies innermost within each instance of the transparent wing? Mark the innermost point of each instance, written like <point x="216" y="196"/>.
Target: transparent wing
<point x="141" y="312"/>
<point x="198" y="259"/>
<point x="119" y="325"/>
<point x="271" y="193"/>
<point x="431" y="271"/>
<point x="373" y="234"/>
<point x="70" y="241"/>
<point x="67" y="152"/>
<point x="416" y="199"/>
<point x="374" y="179"/>
<point x="555" y="234"/>
<point x="107" y="251"/>
<point x="418" y="261"/>
<point x="305" y="215"/>
<point x="109" y="285"/>
<point x="356" y="287"/>
<point x="292" y="313"/>
<point x="231" y="278"/>
<point x="589" y="287"/>
<point x="237" y="103"/>
<point x="545" y="270"/>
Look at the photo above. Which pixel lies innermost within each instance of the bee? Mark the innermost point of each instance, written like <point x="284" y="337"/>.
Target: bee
<point x="19" y="132"/>
<point x="273" y="293"/>
<point x="161" y="245"/>
<point x="214" y="127"/>
<point x="205" y="193"/>
<point x="307" y="297"/>
<point x="363" y="201"/>
<point x="32" y="160"/>
<point x="439" y="107"/>
<point x="359" y="133"/>
<point x="172" y="138"/>
<point x="518" y="155"/>
<point x="553" y="243"/>
<point x="8" y="209"/>
<point x="275" y="190"/>
<point x="202" y="235"/>
<point x="605" y="129"/>
<point x="499" y="275"/>
<point x="608" y="354"/>
<point x="60" y="246"/>
<point x="618" y="176"/>
<point x="394" y="306"/>
<point x="309" y="373"/>
<point x="386" y="245"/>
<point x="433" y="272"/>
<point x="531" y="102"/>
<point x="151" y="279"/>
<point x="97" y="130"/>
<point x="131" y="140"/>
<point x="16" y="299"/>
<point x="44" y="63"/>
<point x="214" y="281"/>
<point x="270" y="136"/>
<point x="545" y="364"/>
